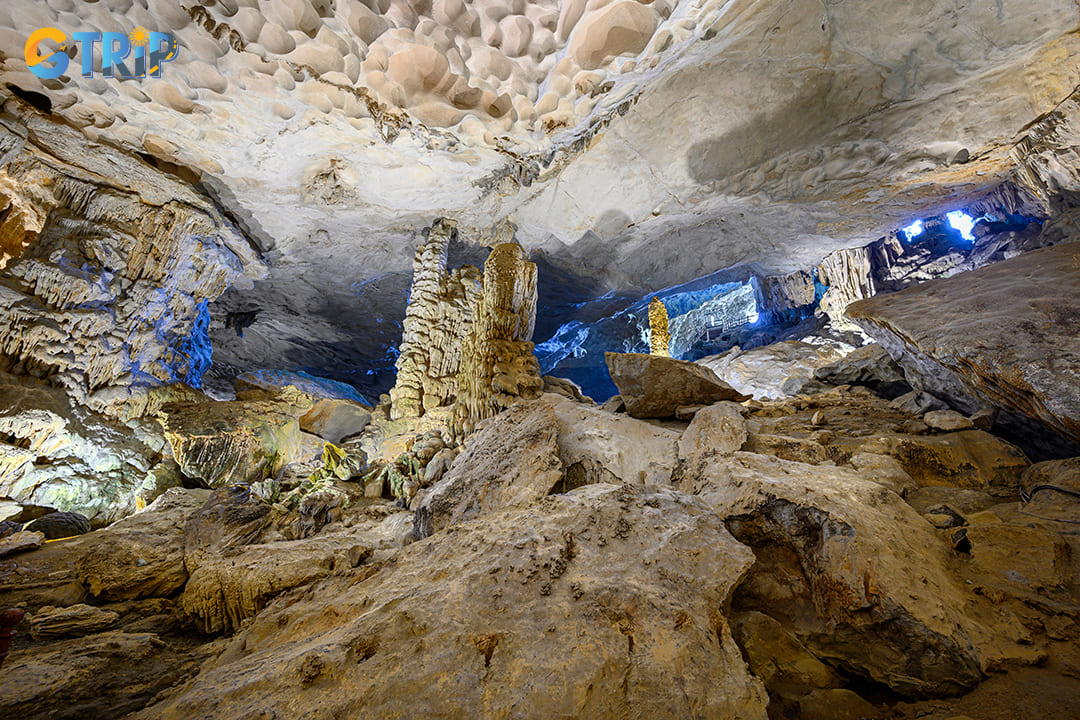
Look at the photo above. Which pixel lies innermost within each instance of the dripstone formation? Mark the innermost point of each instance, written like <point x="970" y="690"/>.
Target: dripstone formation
<point x="659" y="337"/>
<point x="467" y="335"/>
<point x="439" y="315"/>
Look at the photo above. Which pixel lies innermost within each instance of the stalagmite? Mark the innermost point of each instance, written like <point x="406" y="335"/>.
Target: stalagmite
<point x="440" y="311"/>
<point x="498" y="366"/>
<point x="659" y="338"/>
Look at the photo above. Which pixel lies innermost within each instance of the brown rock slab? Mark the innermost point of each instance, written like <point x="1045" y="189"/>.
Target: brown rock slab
<point x="1007" y="334"/>
<point x="105" y="675"/>
<point x="81" y="619"/>
<point x="231" y="442"/>
<point x="947" y="421"/>
<point x="581" y="605"/>
<point x="652" y="386"/>
<point x="21" y="542"/>
<point x="716" y="429"/>
<point x="141" y="555"/>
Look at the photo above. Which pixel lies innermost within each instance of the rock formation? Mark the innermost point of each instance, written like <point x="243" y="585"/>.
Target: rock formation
<point x="438" y="318"/>
<point x="466" y="335"/>
<point x="1003" y="335"/>
<point x="655" y="387"/>
<point x="498" y="366"/>
<point x="108" y="263"/>
<point x="659" y="338"/>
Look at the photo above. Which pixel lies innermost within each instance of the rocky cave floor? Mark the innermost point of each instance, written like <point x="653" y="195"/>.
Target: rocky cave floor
<point x="832" y="554"/>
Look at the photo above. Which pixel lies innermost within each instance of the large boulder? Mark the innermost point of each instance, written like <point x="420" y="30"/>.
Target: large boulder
<point x="603" y="602"/>
<point x="1005" y="334"/>
<point x="868" y="365"/>
<point x="652" y="386"/>
<point x="763" y="371"/>
<point x="847" y="566"/>
<point x="232" y="442"/>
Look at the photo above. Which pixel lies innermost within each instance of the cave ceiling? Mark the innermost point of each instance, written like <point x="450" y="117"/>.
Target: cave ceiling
<point x="632" y="144"/>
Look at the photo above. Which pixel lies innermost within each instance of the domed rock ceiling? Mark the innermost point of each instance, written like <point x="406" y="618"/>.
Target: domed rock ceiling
<point x="639" y="144"/>
<point x="580" y="358"/>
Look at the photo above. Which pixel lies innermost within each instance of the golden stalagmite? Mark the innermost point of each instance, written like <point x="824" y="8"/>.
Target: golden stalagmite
<point x="659" y="338"/>
<point x="498" y="366"/>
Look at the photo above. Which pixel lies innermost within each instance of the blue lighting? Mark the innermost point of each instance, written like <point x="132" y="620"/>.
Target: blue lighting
<point x="963" y="222"/>
<point x="915" y="229"/>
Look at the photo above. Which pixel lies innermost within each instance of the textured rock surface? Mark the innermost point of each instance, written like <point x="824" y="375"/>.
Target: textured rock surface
<point x="439" y="315"/>
<point x="498" y="366"/>
<point x="107" y="263"/>
<point x="57" y="454"/>
<point x="231" y="442"/>
<point x="51" y="622"/>
<point x="837" y="558"/>
<point x="512" y="459"/>
<point x="139" y="556"/>
<point x="598" y="446"/>
<point x="635" y="603"/>
<point x="1005" y="334"/>
<point x="653" y="386"/>
<point x="99" y="676"/>
<point x="762" y="372"/>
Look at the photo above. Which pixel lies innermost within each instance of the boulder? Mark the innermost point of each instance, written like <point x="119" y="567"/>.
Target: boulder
<point x="1005" y="334"/>
<point x="598" y="446"/>
<point x="60" y="525"/>
<point x="512" y="458"/>
<point x="266" y="384"/>
<point x="947" y="421"/>
<point x="652" y="386"/>
<point x="917" y="402"/>
<point x="52" y="622"/>
<point x="858" y="576"/>
<point x="139" y="556"/>
<point x="21" y="541"/>
<point x="566" y="388"/>
<point x="717" y="429"/>
<point x="232" y="442"/>
<point x="764" y="372"/>
<point x="869" y="365"/>
<point x="603" y="602"/>
<point x="335" y="420"/>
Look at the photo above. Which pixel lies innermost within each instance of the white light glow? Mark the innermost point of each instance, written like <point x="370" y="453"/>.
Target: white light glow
<point x="915" y="229"/>
<point x="962" y="222"/>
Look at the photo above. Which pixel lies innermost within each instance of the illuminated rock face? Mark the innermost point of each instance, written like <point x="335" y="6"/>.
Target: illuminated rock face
<point x="659" y="337"/>
<point x="108" y="264"/>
